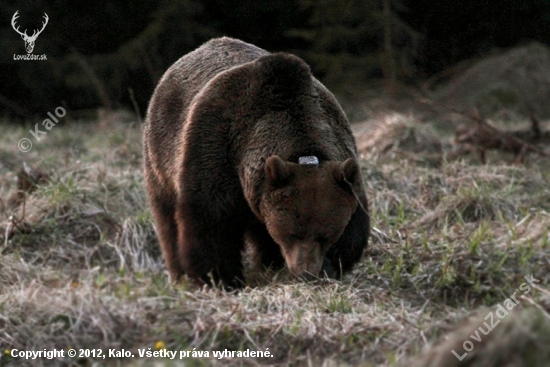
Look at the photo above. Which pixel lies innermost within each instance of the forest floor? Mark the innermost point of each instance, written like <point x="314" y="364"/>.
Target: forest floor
<point x="80" y="266"/>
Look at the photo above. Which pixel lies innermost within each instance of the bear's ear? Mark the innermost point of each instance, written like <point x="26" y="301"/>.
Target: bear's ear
<point x="277" y="171"/>
<point x="347" y="172"/>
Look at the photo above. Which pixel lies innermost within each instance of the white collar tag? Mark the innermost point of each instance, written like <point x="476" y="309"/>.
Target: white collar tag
<point x="309" y="160"/>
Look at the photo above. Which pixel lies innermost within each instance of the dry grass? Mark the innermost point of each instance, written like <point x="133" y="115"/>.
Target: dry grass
<point x="393" y="136"/>
<point x="515" y="80"/>
<point x="451" y="239"/>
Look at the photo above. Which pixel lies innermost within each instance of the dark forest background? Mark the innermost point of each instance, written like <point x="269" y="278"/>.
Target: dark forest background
<point x="111" y="54"/>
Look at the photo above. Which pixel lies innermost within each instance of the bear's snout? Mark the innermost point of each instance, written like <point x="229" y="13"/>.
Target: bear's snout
<point x="304" y="260"/>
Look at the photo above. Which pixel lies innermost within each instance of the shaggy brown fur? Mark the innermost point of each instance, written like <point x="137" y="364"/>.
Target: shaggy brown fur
<point x="225" y="129"/>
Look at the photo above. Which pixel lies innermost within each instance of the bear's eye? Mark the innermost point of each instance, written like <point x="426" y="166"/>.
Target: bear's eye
<point x="322" y="239"/>
<point x="295" y="237"/>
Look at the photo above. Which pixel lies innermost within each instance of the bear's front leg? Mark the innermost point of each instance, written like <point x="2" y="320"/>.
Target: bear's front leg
<point x="210" y="243"/>
<point x="265" y="252"/>
<point x="164" y="213"/>
<point x="327" y="270"/>
<point x="349" y="248"/>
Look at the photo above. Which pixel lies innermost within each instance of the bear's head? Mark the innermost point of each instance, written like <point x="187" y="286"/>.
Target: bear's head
<point x="306" y="208"/>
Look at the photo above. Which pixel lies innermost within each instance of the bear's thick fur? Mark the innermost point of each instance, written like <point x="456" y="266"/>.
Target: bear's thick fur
<point x="225" y="130"/>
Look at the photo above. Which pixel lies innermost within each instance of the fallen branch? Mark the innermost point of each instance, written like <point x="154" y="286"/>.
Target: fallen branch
<point x="13" y="224"/>
<point x="484" y="136"/>
<point x="28" y="178"/>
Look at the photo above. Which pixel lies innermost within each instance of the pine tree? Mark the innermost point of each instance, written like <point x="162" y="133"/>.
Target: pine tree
<point x="352" y="41"/>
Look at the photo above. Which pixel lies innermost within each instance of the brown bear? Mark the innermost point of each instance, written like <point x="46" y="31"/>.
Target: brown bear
<point x="241" y="145"/>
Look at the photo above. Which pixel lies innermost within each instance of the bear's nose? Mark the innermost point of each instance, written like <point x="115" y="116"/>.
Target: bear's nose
<point x="304" y="260"/>
<point x="306" y="270"/>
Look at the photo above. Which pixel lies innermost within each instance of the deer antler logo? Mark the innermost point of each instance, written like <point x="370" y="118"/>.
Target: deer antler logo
<point x="29" y="40"/>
